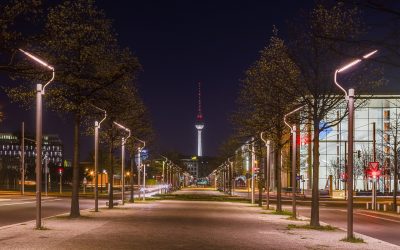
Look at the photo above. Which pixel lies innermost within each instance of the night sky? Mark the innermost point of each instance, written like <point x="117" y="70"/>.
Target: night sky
<point x="178" y="44"/>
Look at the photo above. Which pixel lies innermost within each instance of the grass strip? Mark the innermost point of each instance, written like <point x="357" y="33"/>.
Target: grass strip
<point x="283" y="212"/>
<point x="353" y="240"/>
<point x="309" y="227"/>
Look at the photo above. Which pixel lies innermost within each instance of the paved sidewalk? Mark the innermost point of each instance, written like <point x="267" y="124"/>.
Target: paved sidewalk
<point x="172" y="224"/>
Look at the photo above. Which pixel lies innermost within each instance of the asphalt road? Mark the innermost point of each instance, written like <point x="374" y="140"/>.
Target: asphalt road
<point x="18" y="209"/>
<point x="386" y="228"/>
<point x="383" y="227"/>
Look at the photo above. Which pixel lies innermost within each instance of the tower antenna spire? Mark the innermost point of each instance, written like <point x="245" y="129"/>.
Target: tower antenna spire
<point x="199" y="114"/>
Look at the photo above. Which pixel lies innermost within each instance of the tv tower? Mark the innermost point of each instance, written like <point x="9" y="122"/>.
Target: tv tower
<point x="199" y="125"/>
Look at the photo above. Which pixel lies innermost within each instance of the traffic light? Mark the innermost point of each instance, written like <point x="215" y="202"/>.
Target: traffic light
<point x="256" y="168"/>
<point x="358" y="154"/>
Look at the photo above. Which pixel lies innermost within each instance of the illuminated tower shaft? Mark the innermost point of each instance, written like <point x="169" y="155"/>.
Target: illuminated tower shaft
<point x="199" y="146"/>
<point x="199" y="126"/>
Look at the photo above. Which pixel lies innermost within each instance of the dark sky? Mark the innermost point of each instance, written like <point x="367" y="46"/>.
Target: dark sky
<point x="180" y="43"/>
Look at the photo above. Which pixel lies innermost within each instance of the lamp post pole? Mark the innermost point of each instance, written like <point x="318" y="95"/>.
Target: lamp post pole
<point x="165" y="161"/>
<point x="123" y="171"/>
<point x="294" y="171"/>
<point x="294" y="160"/>
<point x="144" y="182"/>
<point x="139" y="167"/>
<point x="349" y="96"/>
<point x="253" y="160"/>
<point x="40" y="90"/>
<point x="96" y="159"/>
<point x="23" y="160"/>
<point x="96" y="165"/>
<point x="38" y="156"/>
<point x="123" y="141"/>
<point x="350" y="139"/>
<point x="267" y="170"/>
<point x="163" y="183"/>
<point x="131" y="177"/>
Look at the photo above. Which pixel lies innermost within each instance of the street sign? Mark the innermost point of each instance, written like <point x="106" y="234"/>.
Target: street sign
<point x="144" y="154"/>
<point x="373" y="165"/>
<point x="373" y="171"/>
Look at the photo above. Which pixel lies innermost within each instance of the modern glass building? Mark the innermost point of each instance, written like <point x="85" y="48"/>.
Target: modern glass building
<point x="10" y="157"/>
<point x="376" y="131"/>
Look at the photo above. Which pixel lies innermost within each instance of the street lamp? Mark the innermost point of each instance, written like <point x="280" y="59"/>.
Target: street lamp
<point x="123" y="160"/>
<point x="267" y="175"/>
<point x="163" y="170"/>
<point x="96" y="158"/>
<point x="139" y="167"/>
<point x="349" y="96"/>
<point x="294" y="165"/>
<point x="40" y="90"/>
<point x="253" y="161"/>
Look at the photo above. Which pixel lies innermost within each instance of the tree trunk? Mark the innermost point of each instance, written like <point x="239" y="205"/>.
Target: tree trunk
<point x="309" y="158"/>
<point x="315" y="183"/>
<point x="74" y="213"/>
<point x="111" y="175"/>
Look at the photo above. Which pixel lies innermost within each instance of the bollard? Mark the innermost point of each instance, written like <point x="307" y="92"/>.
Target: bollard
<point x="398" y="209"/>
<point x="384" y="207"/>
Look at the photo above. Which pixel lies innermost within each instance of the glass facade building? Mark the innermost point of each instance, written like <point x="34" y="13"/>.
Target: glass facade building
<point x="376" y="132"/>
<point x="10" y="157"/>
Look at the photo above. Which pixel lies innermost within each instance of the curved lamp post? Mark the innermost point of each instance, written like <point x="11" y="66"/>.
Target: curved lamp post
<point x="96" y="158"/>
<point x="139" y="167"/>
<point x="40" y="90"/>
<point x="267" y="174"/>
<point x="123" y="160"/>
<point x="294" y="161"/>
<point x="349" y="96"/>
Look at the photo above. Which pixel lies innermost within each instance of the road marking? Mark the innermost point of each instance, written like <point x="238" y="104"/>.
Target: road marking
<point x="27" y="202"/>
<point x="377" y="217"/>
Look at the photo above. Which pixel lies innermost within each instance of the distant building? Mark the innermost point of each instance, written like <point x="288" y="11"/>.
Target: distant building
<point x="198" y="167"/>
<point x="10" y="156"/>
<point x="192" y="166"/>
